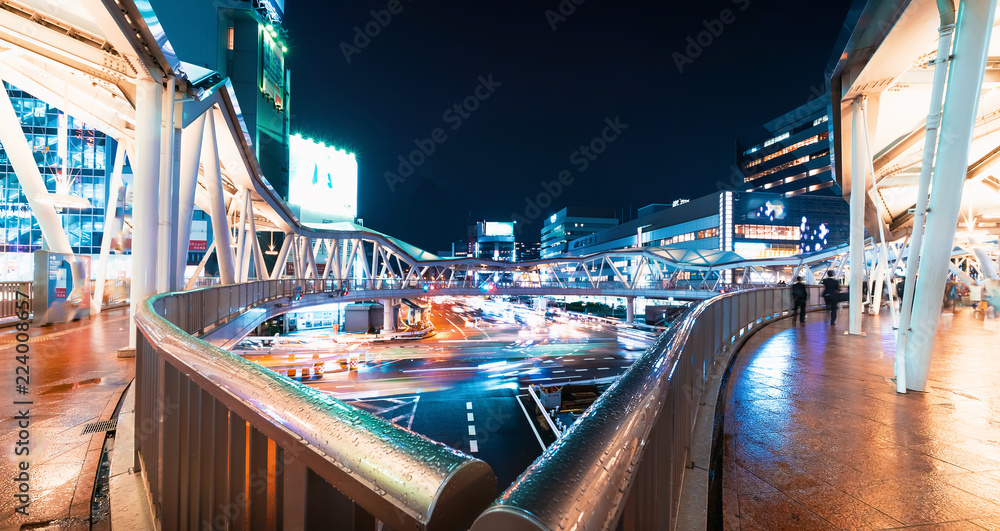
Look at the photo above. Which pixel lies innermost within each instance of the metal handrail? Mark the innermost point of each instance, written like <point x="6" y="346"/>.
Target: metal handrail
<point x="401" y="478"/>
<point x="622" y="462"/>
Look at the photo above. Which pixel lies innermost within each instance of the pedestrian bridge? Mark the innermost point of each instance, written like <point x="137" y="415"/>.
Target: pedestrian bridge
<point x="221" y="440"/>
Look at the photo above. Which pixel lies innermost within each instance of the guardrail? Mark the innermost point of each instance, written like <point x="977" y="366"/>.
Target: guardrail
<point x="9" y="298"/>
<point x="223" y="442"/>
<point x="621" y="464"/>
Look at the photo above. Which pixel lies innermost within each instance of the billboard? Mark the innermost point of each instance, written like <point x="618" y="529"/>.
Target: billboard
<point x="273" y="77"/>
<point x="322" y="181"/>
<point x="499" y="228"/>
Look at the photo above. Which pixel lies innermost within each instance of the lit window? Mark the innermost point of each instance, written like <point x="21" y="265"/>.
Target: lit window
<point x="230" y="38"/>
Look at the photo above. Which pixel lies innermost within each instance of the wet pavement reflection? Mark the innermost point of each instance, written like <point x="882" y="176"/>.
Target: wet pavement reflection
<point x="816" y="436"/>
<point x="76" y="378"/>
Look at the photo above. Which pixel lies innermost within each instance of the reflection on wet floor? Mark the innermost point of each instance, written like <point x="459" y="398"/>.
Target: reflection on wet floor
<point x="62" y="388"/>
<point x="817" y="438"/>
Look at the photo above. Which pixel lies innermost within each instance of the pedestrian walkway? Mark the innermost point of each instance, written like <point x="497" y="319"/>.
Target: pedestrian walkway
<point x="816" y="436"/>
<point x="76" y="378"/>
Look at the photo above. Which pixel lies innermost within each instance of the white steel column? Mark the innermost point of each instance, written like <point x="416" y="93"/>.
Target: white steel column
<point x="166" y="254"/>
<point x="859" y="171"/>
<point x="110" y="208"/>
<point x="975" y="21"/>
<point x="242" y="245"/>
<point x="145" y="194"/>
<point x="941" y="62"/>
<point x="217" y="201"/>
<point x="279" y="264"/>
<point x="191" y="139"/>
<point x="629" y="309"/>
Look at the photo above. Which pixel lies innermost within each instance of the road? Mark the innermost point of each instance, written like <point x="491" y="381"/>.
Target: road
<point x="466" y="386"/>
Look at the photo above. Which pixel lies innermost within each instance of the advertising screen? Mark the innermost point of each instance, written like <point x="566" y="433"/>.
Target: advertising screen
<point x="322" y="181"/>
<point x="274" y="70"/>
<point x="501" y="228"/>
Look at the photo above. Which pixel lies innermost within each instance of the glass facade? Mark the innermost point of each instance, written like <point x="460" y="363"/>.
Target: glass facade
<point x="773" y="225"/>
<point x="74" y="159"/>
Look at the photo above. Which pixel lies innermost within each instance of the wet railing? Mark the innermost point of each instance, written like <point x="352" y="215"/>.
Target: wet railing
<point x="621" y="464"/>
<point x="11" y="304"/>
<point x="224" y="443"/>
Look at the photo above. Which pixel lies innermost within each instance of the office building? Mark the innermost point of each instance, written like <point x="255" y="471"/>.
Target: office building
<point x="751" y="224"/>
<point x="570" y="224"/>
<point x="495" y="241"/>
<point x="75" y="161"/>
<point x="528" y="251"/>
<point x="789" y="155"/>
<point x="244" y="41"/>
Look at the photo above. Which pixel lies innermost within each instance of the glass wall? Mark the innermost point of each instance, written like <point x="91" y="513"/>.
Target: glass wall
<point x="74" y="159"/>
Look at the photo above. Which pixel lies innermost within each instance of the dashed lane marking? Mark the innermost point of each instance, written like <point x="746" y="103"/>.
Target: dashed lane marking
<point x="473" y="446"/>
<point x="470" y="417"/>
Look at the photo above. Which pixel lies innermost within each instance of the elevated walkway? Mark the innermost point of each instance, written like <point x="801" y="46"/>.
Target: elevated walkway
<point x="816" y="436"/>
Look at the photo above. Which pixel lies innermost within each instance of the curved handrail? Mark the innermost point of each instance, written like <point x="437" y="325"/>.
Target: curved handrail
<point x="400" y="477"/>
<point x="583" y="479"/>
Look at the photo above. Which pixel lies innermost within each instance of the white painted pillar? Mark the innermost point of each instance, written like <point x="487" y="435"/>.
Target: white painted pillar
<point x="166" y="255"/>
<point x="975" y="21"/>
<point x="859" y="170"/>
<point x="217" y="201"/>
<point x="145" y="192"/>
<point x="279" y="264"/>
<point x="191" y="139"/>
<point x="110" y="208"/>
<point x="941" y="62"/>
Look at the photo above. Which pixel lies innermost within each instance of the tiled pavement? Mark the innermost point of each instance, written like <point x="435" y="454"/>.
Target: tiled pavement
<point x="75" y="378"/>
<point x="817" y="438"/>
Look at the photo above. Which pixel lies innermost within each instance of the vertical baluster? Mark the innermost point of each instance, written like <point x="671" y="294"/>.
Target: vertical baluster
<point x="237" y="472"/>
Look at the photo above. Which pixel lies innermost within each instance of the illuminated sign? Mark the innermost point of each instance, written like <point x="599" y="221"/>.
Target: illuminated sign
<point x="323" y="181"/>
<point x="501" y="228"/>
<point x="273" y="78"/>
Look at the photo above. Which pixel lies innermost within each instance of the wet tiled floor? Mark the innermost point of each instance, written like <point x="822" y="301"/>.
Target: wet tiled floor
<point x="75" y="378"/>
<point x="816" y="436"/>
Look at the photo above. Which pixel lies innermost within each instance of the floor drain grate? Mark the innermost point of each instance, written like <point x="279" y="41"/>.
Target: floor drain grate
<point x="97" y="427"/>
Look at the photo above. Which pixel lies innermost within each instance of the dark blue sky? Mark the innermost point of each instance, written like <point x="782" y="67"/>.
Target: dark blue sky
<point x="551" y="93"/>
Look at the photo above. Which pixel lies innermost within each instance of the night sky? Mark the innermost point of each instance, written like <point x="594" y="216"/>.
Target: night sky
<point x="550" y="92"/>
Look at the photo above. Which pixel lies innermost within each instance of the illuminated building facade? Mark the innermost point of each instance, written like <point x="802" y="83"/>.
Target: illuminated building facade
<point x="74" y="159"/>
<point x="570" y="224"/>
<point x="495" y="241"/>
<point x="789" y="155"/>
<point x="752" y="224"/>
<point x="244" y="41"/>
<point x="528" y="250"/>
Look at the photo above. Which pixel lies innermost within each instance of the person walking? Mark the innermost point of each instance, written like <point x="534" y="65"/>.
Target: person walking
<point x="799" y="299"/>
<point x="831" y="293"/>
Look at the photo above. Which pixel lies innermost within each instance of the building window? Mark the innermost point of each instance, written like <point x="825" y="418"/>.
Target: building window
<point x="230" y="38"/>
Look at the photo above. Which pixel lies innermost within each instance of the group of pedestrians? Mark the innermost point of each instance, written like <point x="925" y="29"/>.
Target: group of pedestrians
<point x="831" y="295"/>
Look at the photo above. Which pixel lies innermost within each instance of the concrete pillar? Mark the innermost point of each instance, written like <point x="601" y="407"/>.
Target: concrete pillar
<point x="146" y="191"/>
<point x="167" y="275"/>
<point x="965" y="80"/>
<point x="388" y="315"/>
<point x="629" y="309"/>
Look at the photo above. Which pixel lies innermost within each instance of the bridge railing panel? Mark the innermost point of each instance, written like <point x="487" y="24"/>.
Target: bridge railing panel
<point x="622" y="463"/>
<point x="223" y="441"/>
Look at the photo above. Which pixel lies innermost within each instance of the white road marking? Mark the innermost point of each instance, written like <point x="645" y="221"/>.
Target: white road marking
<point x="603" y="368"/>
<point x="609" y="358"/>
<point x="472" y="430"/>
<point x="555" y="372"/>
<point x="588" y="359"/>
<point x="470" y="416"/>
<point x="530" y="423"/>
<point x="581" y="370"/>
<point x="473" y="446"/>
<point x="468" y="405"/>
